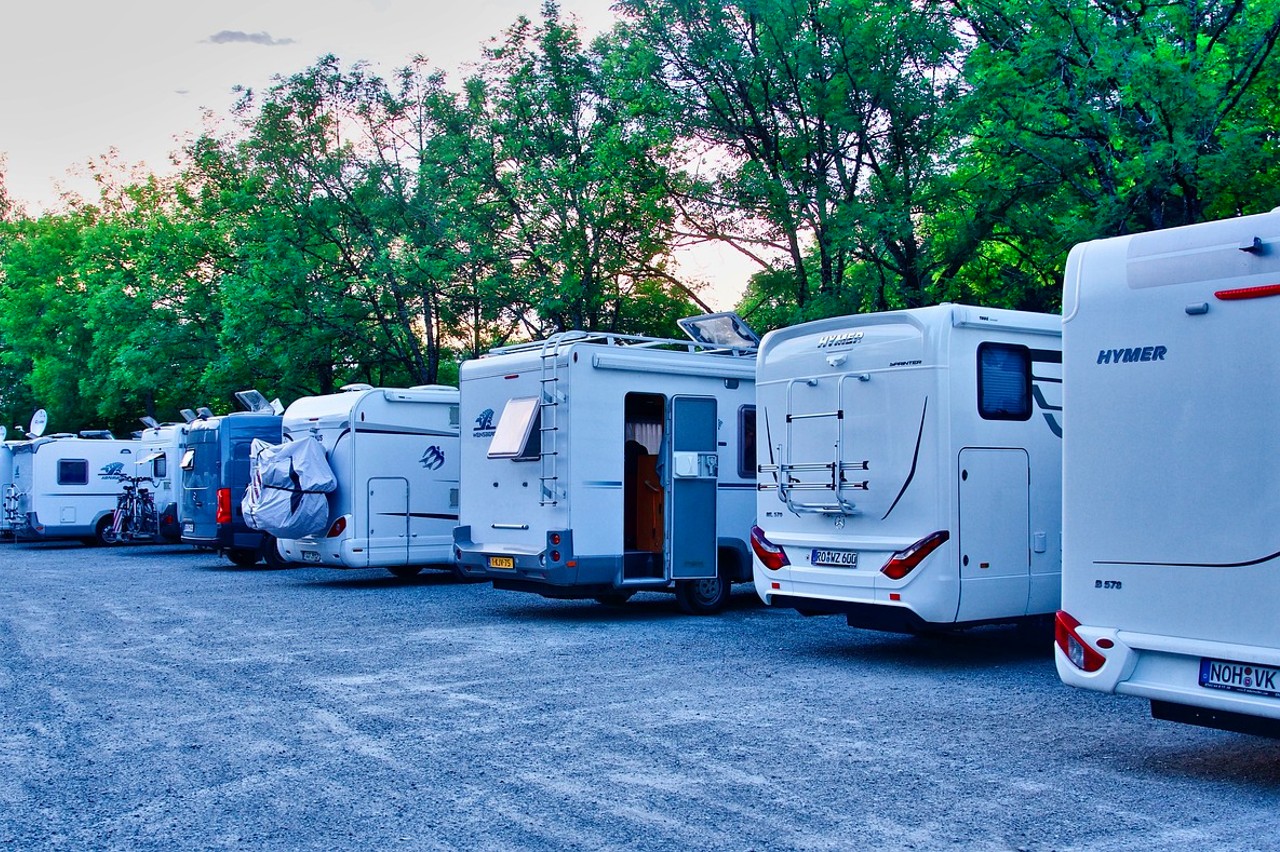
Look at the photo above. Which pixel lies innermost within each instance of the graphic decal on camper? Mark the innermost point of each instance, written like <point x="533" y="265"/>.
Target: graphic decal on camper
<point x="112" y="470"/>
<point x="1046" y="356"/>
<point x="484" y="424"/>
<point x="433" y="458"/>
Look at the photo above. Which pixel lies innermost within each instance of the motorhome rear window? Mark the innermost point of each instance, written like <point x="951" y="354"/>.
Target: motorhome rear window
<point x="747" y="442"/>
<point x="73" y="472"/>
<point x="516" y="430"/>
<point x="1004" y="381"/>
<point x="160" y="468"/>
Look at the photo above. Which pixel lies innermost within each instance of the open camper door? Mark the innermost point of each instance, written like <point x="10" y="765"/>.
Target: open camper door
<point x="691" y="507"/>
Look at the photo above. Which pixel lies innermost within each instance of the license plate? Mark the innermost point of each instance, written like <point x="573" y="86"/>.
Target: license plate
<point x="189" y="526"/>
<point x="835" y="558"/>
<point x="506" y="562"/>
<point x="310" y="556"/>
<point x="1240" y="677"/>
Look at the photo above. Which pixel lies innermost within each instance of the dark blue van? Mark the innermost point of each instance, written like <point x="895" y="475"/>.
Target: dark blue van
<point x="215" y="474"/>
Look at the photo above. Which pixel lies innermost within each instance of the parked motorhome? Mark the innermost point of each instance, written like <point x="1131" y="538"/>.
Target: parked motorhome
<point x="160" y="460"/>
<point x="65" y="486"/>
<point x="1171" y="552"/>
<point x="215" y="473"/>
<point x="910" y="467"/>
<point x="394" y="454"/>
<point x="598" y="465"/>
<point x="6" y="479"/>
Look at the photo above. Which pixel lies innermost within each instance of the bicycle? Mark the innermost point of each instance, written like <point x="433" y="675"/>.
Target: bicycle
<point x="135" y="517"/>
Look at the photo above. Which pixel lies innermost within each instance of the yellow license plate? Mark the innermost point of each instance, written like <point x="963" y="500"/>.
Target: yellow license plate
<point x="502" y="562"/>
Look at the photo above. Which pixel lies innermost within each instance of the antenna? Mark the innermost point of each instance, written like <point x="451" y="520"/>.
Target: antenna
<point x="39" y="421"/>
<point x="149" y="421"/>
<point x="187" y="415"/>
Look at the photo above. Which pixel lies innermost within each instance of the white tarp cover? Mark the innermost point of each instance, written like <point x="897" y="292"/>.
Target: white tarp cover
<point x="287" y="487"/>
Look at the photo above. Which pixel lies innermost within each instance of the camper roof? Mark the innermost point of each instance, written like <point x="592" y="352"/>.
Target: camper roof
<point x="710" y="334"/>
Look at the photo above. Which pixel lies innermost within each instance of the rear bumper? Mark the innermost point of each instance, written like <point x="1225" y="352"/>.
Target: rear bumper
<point x="553" y="571"/>
<point x="1166" y="671"/>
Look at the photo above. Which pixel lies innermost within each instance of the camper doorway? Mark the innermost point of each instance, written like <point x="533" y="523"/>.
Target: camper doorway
<point x="642" y="490"/>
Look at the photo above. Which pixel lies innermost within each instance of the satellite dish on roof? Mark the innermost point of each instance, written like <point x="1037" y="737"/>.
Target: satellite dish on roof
<point x="39" y="421"/>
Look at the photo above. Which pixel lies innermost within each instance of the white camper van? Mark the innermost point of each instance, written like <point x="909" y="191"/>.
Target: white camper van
<point x="160" y="459"/>
<point x="1171" y="552"/>
<point x="910" y="467"/>
<point x="599" y="465"/>
<point x="65" y="486"/>
<point x="394" y="454"/>
<point x="6" y="479"/>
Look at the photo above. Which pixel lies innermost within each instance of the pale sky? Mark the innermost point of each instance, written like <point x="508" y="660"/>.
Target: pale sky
<point x="79" y="78"/>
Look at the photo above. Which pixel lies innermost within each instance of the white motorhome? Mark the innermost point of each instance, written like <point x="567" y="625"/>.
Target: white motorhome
<point x="160" y="459"/>
<point x="598" y="465"/>
<point x="394" y="453"/>
<point x="65" y="486"/>
<point x="1171" y="552"/>
<point x="910" y="467"/>
<point x="6" y="479"/>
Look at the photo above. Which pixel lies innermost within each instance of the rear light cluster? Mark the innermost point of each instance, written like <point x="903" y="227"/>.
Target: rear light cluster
<point x="224" y="506"/>
<point x="338" y="528"/>
<point x="1078" y="651"/>
<point x="770" y="555"/>
<point x="905" y="561"/>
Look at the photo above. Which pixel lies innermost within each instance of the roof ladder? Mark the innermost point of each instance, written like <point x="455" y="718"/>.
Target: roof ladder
<point x="549" y="398"/>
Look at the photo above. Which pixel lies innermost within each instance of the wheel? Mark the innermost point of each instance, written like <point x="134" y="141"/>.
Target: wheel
<point x="404" y="572"/>
<point x="702" y="597"/>
<point x="614" y="598"/>
<point x="103" y="534"/>
<point x="243" y="558"/>
<point x="271" y="553"/>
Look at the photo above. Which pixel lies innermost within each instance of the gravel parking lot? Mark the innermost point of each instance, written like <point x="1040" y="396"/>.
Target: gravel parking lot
<point x="160" y="698"/>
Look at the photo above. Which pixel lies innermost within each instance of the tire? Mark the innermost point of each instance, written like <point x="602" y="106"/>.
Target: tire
<point x="703" y="597"/>
<point x="614" y="598"/>
<point x="404" y="572"/>
<point x="102" y="533"/>
<point x="271" y="553"/>
<point x="243" y="558"/>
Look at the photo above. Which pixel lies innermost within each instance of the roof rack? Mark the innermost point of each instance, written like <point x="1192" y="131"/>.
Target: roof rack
<point x="702" y="345"/>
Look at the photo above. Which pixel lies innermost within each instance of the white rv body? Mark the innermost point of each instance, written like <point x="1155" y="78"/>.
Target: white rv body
<point x="6" y="479"/>
<point x="598" y="465"/>
<point x="394" y="453"/>
<point x="1171" y="553"/>
<point x="910" y="467"/>
<point x="160" y="459"/>
<point x="66" y="486"/>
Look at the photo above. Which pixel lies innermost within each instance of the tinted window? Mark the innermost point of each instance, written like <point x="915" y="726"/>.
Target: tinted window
<point x="160" y="468"/>
<point x="747" y="442"/>
<point x="1004" y="381"/>
<point x="73" y="472"/>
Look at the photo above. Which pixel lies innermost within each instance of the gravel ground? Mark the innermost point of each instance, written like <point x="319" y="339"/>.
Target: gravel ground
<point x="160" y="698"/>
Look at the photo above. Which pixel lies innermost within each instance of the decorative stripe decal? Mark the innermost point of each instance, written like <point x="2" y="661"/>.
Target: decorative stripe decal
<point x="915" y="459"/>
<point x="1250" y="562"/>
<point x="433" y="515"/>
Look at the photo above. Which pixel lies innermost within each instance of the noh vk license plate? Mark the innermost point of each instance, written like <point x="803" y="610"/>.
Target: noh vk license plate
<point x="1240" y="677"/>
<point x="837" y="558"/>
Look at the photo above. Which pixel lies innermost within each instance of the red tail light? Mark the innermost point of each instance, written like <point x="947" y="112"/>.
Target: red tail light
<point x="1079" y="652"/>
<point x="769" y="554"/>
<point x="1249" y="292"/>
<point x="338" y="528"/>
<point x="905" y="561"/>
<point x="224" y="506"/>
